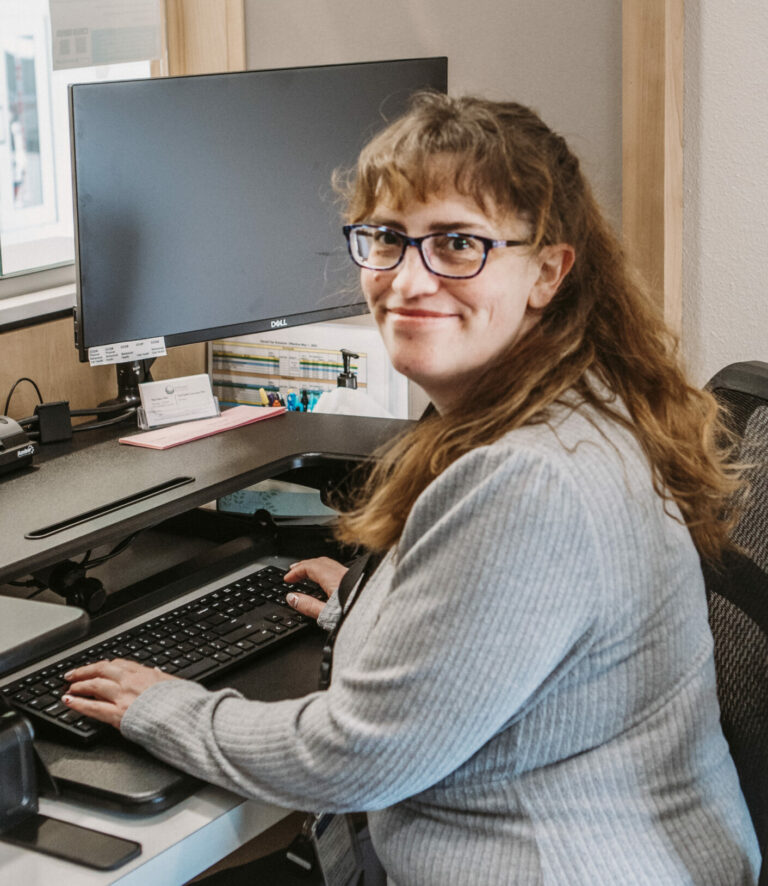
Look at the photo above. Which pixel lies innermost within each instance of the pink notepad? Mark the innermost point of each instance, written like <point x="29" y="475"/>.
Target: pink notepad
<point x="175" y="435"/>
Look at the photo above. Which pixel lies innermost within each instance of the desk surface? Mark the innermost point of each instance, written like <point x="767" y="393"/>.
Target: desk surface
<point x="93" y="477"/>
<point x="194" y="834"/>
<point x="176" y="845"/>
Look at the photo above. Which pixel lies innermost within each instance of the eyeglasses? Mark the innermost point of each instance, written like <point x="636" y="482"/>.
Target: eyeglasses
<point x="458" y="256"/>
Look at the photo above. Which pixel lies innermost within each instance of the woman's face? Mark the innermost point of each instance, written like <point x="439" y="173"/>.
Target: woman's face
<point x="440" y="332"/>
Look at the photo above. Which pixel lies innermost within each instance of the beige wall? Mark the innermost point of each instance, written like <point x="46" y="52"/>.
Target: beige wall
<point x="725" y="224"/>
<point x="563" y="58"/>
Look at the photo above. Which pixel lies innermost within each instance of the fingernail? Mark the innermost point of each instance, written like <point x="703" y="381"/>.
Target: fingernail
<point x="67" y="699"/>
<point x="68" y="675"/>
<point x="292" y="599"/>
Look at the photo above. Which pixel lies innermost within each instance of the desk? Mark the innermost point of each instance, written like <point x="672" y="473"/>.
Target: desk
<point x="176" y="845"/>
<point x="88" y="478"/>
<point x="195" y="833"/>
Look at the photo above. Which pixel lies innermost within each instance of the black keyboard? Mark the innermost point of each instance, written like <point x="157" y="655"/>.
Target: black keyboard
<point x="198" y="641"/>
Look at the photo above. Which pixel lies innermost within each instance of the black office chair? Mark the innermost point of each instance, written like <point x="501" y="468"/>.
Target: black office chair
<point x="738" y="596"/>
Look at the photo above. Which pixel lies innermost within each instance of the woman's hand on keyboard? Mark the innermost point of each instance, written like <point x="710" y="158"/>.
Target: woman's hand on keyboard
<point x="323" y="571"/>
<point x="105" y="689"/>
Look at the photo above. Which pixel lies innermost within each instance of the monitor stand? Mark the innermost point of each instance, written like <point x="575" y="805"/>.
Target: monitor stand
<point x="129" y="377"/>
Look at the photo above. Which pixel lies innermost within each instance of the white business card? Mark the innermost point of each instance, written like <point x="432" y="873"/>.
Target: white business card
<point x="177" y="399"/>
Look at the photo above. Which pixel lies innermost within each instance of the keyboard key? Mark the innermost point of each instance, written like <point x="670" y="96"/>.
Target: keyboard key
<point x="196" y="668"/>
<point x="41" y="702"/>
<point x="227" y="627"/>
<point x="86" y="726"/>
<point x="55" y="709"/>
<point x="240" y="632"/>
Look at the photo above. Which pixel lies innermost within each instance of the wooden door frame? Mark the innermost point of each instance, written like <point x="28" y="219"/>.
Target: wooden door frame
<point x="652" y="146"/>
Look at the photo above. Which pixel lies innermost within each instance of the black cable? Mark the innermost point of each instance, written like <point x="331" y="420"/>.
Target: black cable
<point x="15" y="385"/>
<point x="93" y="425"/>
<point x="98" y="410"/>
<point x="32" y="420"/>
<point x="87" y="563"/>
<point x="29" y="583"/>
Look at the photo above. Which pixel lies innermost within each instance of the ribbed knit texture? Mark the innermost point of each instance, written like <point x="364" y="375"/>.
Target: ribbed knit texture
<point x="524" y="694"/>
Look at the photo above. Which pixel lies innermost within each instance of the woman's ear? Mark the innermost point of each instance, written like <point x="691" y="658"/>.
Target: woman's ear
<point x="554" y="264"/>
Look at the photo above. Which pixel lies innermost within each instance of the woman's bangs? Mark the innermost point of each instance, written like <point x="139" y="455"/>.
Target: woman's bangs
<point x="417" y="177"/>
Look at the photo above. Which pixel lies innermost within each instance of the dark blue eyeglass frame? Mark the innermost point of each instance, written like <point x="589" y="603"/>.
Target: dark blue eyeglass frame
<point x="406" y="241"/>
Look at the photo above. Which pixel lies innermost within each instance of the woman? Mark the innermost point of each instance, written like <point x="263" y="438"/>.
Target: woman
<point x="525" y="693"/>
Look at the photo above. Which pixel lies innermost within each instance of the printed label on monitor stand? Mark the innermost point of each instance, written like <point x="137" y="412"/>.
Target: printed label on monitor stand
<point x="127" y="351"/>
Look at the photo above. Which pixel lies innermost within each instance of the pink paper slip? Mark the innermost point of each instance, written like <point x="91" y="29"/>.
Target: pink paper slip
<point x="175" y="435"/>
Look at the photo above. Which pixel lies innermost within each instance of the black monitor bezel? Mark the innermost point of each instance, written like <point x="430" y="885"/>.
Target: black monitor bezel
<point x="241" y="328"/>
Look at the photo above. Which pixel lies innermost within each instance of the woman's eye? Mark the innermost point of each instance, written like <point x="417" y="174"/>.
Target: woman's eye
<point x="387" y="238"/>
<point x="457" y="243"/>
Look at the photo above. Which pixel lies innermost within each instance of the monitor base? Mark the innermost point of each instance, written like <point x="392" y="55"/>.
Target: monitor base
<point x="129" y="377"/>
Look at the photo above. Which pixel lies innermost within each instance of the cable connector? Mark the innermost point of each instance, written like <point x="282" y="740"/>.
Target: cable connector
<point x="54" y="421"/>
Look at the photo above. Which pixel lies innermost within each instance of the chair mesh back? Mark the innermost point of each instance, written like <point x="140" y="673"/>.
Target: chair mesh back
<point x="751" y="533"/>
<point x="738" y="611"/>
<point x="740" y="408"/>
<point x="741" y="661"/>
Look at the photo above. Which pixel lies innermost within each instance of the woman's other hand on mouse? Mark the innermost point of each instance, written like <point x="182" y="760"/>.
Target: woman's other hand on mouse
<point x="323" y="571"/>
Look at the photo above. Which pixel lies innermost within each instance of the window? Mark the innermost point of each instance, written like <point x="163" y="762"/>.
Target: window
<point x="36" y="229"/>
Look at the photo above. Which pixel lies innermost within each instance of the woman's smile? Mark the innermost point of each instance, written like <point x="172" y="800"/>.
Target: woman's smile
<point x="419" y="314"/>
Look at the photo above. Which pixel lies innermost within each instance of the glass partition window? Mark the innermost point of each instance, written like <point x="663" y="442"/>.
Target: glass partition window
<point x="35" y="171"/>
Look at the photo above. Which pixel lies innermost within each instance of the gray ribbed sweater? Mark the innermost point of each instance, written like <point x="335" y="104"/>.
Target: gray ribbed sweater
<point x="524" y="694"/>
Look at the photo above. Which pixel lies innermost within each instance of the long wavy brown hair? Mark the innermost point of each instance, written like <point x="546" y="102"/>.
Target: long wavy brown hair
<point x="601" y="336"/>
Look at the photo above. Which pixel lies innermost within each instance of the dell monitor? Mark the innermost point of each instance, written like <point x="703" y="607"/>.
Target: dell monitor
<point x="204" y="206"/>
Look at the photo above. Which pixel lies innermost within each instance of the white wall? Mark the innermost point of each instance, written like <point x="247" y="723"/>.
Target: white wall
<point x="562" y="58"/>
<point x="725" y="246"/>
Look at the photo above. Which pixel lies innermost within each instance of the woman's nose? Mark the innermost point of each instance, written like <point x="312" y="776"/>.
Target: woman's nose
<point x="412" y="277"/>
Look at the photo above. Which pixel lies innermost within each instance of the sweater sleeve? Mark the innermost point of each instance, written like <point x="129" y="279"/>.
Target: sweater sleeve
<point x="330" y="613"/>
<point x="494" y="597"/>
